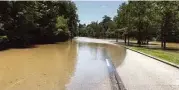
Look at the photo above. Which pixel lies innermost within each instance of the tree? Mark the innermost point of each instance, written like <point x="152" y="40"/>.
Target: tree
<point x="169" y="16"/>
<point x="37" y="22"/>
<point x="105" y="23"/>
<point x="145" y="19"/>
<point x="105" y="28"/>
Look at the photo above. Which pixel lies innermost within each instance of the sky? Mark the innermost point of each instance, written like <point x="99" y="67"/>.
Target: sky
<point x="94" y="10"/>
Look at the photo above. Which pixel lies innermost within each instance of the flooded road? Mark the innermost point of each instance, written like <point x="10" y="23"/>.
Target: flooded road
<point x="81" y="65"/>
<point x="76" y="65"/>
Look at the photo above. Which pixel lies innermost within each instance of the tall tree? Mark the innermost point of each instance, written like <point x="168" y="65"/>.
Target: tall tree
<point x="33" y="22"/>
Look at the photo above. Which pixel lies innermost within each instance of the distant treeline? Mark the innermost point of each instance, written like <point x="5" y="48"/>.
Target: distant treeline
<point x="23" y="23"/>
<point x="104" y="29"/>
<point x="140" y="20"/>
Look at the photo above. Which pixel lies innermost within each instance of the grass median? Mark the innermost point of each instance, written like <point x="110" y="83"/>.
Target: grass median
<point x="171" y="56"/>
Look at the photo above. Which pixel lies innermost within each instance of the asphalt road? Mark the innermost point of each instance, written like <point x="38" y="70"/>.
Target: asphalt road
<point x="139" y="72"/>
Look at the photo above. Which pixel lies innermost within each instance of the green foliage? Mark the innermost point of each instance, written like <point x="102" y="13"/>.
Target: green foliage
<point x="147" y="20"/>
<point x="141" y="20"/>
<point x="38" y="21"/>
<point x="61" y="24"/>
<point x="82" y="30"/>
<point x="104" y="29"/>
<point x="3" y="42"/>
<point x="61" y="27"/>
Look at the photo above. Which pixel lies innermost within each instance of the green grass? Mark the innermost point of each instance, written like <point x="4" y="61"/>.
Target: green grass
<point x="167" y="55"/>
<point x="3" y="36"/>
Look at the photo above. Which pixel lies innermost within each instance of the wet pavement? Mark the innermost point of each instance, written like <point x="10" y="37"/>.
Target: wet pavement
<point x="91" y="70"/>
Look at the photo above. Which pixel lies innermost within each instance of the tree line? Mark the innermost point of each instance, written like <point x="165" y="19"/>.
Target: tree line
<point x="29" y="22"/>
<point x="140" y="20"/>
<point x="104" y="29"/>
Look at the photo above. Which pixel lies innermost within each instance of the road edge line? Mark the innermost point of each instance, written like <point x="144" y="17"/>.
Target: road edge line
<point x="112" y="71"/>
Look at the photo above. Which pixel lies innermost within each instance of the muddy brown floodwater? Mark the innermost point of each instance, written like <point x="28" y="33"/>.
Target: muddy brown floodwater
<point x="75" y="65"/>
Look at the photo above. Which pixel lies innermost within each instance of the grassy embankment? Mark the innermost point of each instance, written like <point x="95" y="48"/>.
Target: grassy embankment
<point x="171" y="54"/>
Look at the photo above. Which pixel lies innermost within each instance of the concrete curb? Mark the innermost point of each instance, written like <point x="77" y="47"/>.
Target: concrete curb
<point x="158" y="59"/>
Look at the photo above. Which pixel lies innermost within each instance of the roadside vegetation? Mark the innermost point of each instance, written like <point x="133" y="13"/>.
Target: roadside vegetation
<point x="168" y="55"/>
<point x="143" y="22"/>
<point x="30" y="22"/>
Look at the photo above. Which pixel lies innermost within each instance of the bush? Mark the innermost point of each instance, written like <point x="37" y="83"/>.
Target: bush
<point x="4" y="42"/>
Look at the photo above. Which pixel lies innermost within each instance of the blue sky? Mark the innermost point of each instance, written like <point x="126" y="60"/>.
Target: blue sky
<point x="94" y="10"/>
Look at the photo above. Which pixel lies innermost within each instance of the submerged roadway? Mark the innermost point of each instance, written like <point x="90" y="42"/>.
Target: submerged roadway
<point x="82" y="64"/>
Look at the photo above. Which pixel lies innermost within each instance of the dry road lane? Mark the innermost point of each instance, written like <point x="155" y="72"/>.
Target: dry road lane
<point x="139" y="72"/>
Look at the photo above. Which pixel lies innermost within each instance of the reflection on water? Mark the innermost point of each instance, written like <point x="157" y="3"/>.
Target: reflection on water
<point x="91" y="71"/>
<point x="68" y="65"/>
<point x="116" y="53"/>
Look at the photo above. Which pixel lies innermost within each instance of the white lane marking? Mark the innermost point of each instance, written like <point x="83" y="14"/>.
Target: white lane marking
<point x="107" y="61"/>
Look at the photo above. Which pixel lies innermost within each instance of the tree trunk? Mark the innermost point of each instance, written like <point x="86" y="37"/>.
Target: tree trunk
<point x="164" y="43"/>
<point x="164" y="46"/>
<point x="117" y="37"/>
<point x="139" y="38"/>
<point x="147" y="42"/>
<point x="139" y="34"/>
<point x="128" y="40"/>
<point x="139" y="42"/>
<point x="161" y="44"/>
<point x="125" y="39"/>
<point x="161" y="37"/>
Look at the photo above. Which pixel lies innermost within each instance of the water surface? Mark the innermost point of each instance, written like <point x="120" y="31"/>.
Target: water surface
<point x="66" y="65"/>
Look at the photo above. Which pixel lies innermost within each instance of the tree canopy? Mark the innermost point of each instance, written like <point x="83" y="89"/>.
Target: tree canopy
<point x="141" y="20"/>
<point x="149" y="20"/>
<point x="29" y="22"/>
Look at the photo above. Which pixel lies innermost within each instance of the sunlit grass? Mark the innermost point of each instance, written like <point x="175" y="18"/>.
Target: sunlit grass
<point x="167" y="55"/>
<point x="3" y="36"/>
